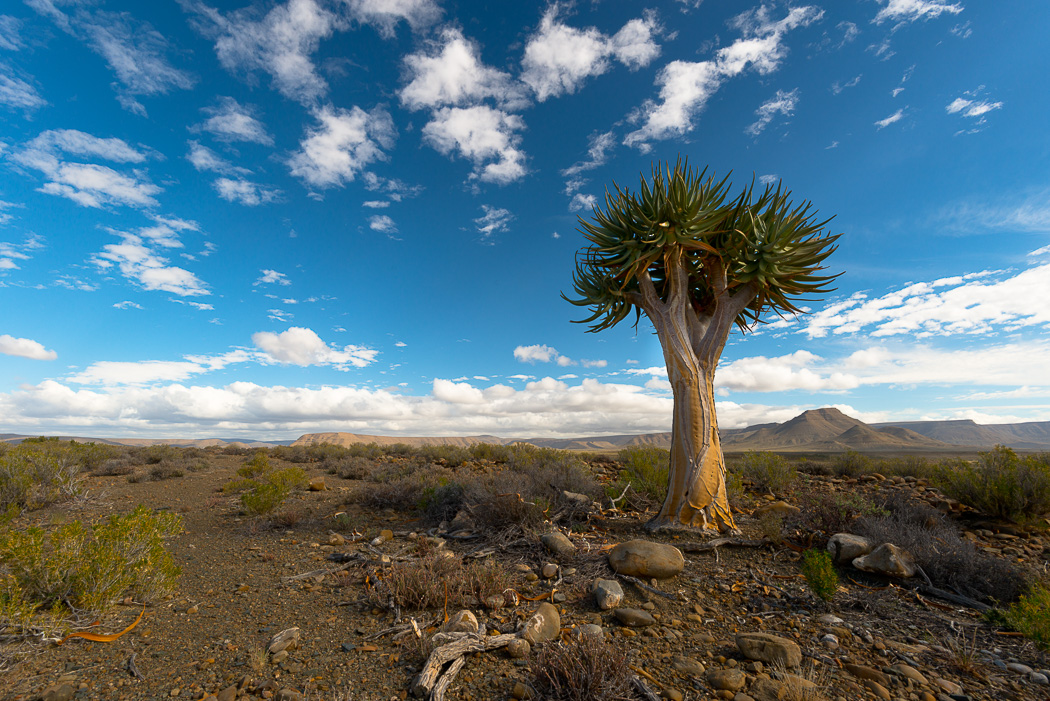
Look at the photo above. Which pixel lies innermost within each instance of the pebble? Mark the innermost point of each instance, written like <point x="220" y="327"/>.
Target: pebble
<point x="634" y="618"/>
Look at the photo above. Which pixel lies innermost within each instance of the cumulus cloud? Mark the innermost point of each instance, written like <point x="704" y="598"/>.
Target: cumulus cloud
<point x="559" y="58"/>
<point x="231" y="121"/>
<point x="484" y="135"/>
<point x="343" y="143"/>
<point x="494" y="220"/>
<point x="245" y="192"/>
<point x="87" y="184"/>
<point x="133" y="50"/>
<point x="546" y="354"/>
<point x="384" y="15"/>
<point x="685" y="86"/>
<point x="25" y="348"/>
<point x="903" y="11"/>
<point x="139" y="263"/>
<point x="301" y="346"/>
<point x="382" y="223"/>
<point x="271" y="277"/>
<point x="781" y="103"/>
<point x="978" y="303"/>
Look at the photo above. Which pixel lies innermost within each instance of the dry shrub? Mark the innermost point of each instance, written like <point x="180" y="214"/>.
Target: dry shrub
<point x="768" y="472"/>
<point x="948" y="560"/>
<point x="830" y="513"/>
<point x="583" y="668"/>
<point x="353" y="467"/>
<point x="439" y="579"/>
<point x="35" y="474"/>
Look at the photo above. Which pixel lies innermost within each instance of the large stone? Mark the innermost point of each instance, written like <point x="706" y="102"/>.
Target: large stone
<point x="607" y="593"/>
<point x="846" y="547"/>
<point x="687" y="666"/>
<point x="643" y="558"/>
<point x="634" y="618"/>
<point x="727" y="679"/>
<point x="544" y="625"/>
<point x="462" y="622"/>
<point x="559" y="545"/>
<point x="767" y="690"/>
<point x="770" y="649"/>
<point x="887" y="559"/>
<point x="864" y="672"/>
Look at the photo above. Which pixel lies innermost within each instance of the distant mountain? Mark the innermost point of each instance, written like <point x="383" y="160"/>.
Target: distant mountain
<point x="140" y="442"/>
<point x="1032" y="435"/>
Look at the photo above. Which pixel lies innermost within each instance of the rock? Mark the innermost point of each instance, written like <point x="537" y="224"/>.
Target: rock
<point x="287" y="694"/>
<point x="336" y="539"/>
<point x="672" y="694"/>
<point x="387" y="535"/>
<point x="518" y="649"/>
<point x="770" y="649"/>
<point x="887" y="559"/>
<point x="549" y="570"/>
<point x="950" y="688"/>
<point x="908" y="672"/>
<point x="287" y="639"/>
<point x="727" y="679"/>
<point x="862" y="672"/>
<point x="576" y="498"/>
<point x="317" y="484"/>
<point x="521" y="691"/>
<point x="607" y="593"/>
<point x="1017" y="667"/>
<point x="462" y="622"/>
<point x="777" y="508"/>
<point x="559" y="544"/>
<point x="634" y="618"/>
<point x="846" y="547"/>
<point x="643" y="558"/>
<point x="279" y="657"/>
<point x="767" y="690"/>
<point x="544" y="625"/>
<point x="878" y="689"/>
<point x="58" y="692"/>
<point x="227" y="694"/>
<point x="591" y="629"/>
<point x="687" y="666"/>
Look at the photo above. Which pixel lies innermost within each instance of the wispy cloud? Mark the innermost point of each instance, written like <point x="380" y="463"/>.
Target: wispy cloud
<point x="892" y="119"/>
<point x="494" y="220"/>
<point x="231" y="121"/>
<point x="137" y="262"/>
<point x="272" y="277"/>
<point x="782" y="103"/>
<point x="18" y="93"/>
<point x="904" y="11"/>
<point x="382" y="223"/>
<point x="245" y="192"/>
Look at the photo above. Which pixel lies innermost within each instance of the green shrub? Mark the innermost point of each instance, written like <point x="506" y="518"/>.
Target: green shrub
<point x="257" y="464"/>
<point x="86" y="568"/>
<point x="820" y="573"/>
<point x="449" y="455"/>
<point x="35" y="474"/>
<point x="238" y="486"/>
<point x="1000" y="484"/>
<point x="350" y="468"/>
<point x="492" y="452"/>
<point x="1030" y="615"/>
<point x="289" y="478"/>
<point x="768" y="472"/>
<point x="264" y="497"/>
<point x="851" y="463"/>
<point x="646" y="468"/>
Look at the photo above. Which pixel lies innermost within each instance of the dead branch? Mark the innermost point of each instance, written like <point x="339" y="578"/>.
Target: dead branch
<point x="642" y="585"/>
<point x="456" y="649"/>
<point x="446" y="679"/>
<point x="722" y="542"/>
<point x="643" y="689"/>
<point x="315" y="573"/>
<point x="132" y="669"/>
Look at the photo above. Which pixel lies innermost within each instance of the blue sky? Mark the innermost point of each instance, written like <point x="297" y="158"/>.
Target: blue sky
<point x="270" y="218"/>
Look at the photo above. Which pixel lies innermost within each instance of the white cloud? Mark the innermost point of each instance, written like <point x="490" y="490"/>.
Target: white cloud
<point x="781" y="103"/>
<point x="594" y="363"/>
<point x="25" y="348"/>
<point x="972" y="108"/>
<point x="456" y="392"/>
<point x="902" y="11"/>
<point x="87" y="184"/>
<point x="789" y="372"/>
<point x="385" y="14"/>
<point x="685" y="87"/>
<point x="127" y="304"/>
<point x="280" y="43"/>
<point x="204" y="159"/>
<point x="597" y="154"/>
<point x="10" y="30"/>
<point x="1045" y="250"/>
<point x="892" y="119"/>
<point x="17" y="93"/>
<point x="580" y="201"/>
<point x="139" y="263"/>
<point x="344" y="143"/>
<point x="559" y="58"/>
<point x="10" y="252"/>
<point x="231" y="121"/>
<point x="270" y="277"/>
<point x="494" y="220"/>
<point x="301" y="346"/>
<point x="973" y="304"/>
<point x="245" y="192"/>
<point x="452" y="74"/>
<point x="376" y="204"/>
<point x="382" y="223"/>
<point x="534" y="354"/>
<point x="483" y="135"/>
<point x="838" y="87"/>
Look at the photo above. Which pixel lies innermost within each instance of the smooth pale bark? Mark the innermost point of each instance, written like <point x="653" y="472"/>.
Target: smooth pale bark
<point x="692" y="343"/>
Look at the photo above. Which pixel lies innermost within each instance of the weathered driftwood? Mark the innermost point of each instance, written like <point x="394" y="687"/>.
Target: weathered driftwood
<point x="643" y="689"/>
<point x="132" y="669"/>
<point x="446" y="679"/>
<point x="427" y="678"/>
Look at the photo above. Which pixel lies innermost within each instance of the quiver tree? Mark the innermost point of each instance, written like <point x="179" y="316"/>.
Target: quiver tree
<point x="697" y="262"/>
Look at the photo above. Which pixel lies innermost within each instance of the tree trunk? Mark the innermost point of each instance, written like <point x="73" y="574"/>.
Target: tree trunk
<point x="696" y="489"/>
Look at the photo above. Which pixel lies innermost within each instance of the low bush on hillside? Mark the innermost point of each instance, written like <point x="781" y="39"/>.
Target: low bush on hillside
<point x="78" y="569"/>
<point x="448" y="455"/>
<point x="491" y="452"/>
<point x="820" y="573"/>
<point x="1000" y="483"/>
<point x="1030" y="615"/>
<point x="851" y="464"/>
<point x="439" y="578"/>
<point x="583" y="668"/>
<point x="824" y="514"/>
<point x="263" y="488"/>
<point x="947" y="559"/>
<point x="349" y="468"/>
<point x="257" y="464"/>
<point x="645" y="467"/>
<point x="768" y="472"/>
<point x="35" y="474"/>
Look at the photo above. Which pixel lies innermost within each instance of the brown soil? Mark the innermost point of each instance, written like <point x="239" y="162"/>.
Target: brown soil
<point x="231" y="599"/>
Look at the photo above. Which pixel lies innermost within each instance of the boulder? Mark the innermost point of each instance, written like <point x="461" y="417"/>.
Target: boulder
<point x="726" y="679"/>
<point x="462" y="622"/>
<point x="846" y="547"/>
<point x="544" y="625"/>
<point x="559" y="545"/>
<point x="317" y="484"/>
<point x="634" y="618"/>
<point x="607" y="593"/>
<point x="887" y="559"/>
<point x="770" y="649"/>
<point x="643" y="558"/>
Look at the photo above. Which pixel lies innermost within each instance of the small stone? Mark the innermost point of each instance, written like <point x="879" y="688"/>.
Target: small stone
<point x="643" y="558"/>
<point x="607" y="593"/>
<point x="887" y="559"/>
<point x="279" y="657"/>
<point x="544" y="625"/>
<point x="521" y="691"/>
<point x="727" y="679"/>
<point x="317" y="484"/>
<point x="862" y="672"/>
<point x="386" y="534"/>
<point x="193" y="609"/>
<point x="777" y="508"/>
<point x="175" y="692"/>
<point x="59" y="692"/>
<point x="1017" y="667"/>
<point x="634" y="618"/>
<point x="591" y="629"/>
<point x="558" y="544"/>
<point x="336" y="539"/>
<point x="846" y="547"/>
<point x="908" y="672"/>
<point x="227" y="694"/>
<point x="462" y="622"/>
<point x="518" y="649"/>
<point x="877" y="689"/>
<point x="764" y="689"/>
<point x="672" y="694"/>
<point x="287" y="639"/>
<point x="687" y="666"/>
<point x="770" y="649"/>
